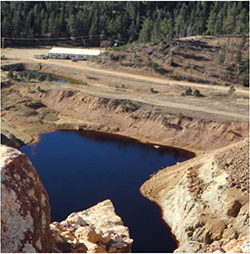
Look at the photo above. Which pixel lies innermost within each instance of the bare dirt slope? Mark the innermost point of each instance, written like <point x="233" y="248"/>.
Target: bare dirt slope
<point x="28" y="111"/>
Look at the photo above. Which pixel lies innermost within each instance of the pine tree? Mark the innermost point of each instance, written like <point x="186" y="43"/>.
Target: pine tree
<point x="72" y="25"/>
<point x="211" y="22"/>
<point x="6" y="27"/>
<point x="218" y="29"/>
<point x="17" y="24"/>
<point x="242" y="24"/>
<point x="180" y="24"/>
<point x="229" y="22"/>
<point x="52" y="26"/>
<point x="198" y="24"/>
<point x="156" y="32"/>
<point x="145" y="33"/>
<point x="166" y="29"/>
<point x="238" y="56"/>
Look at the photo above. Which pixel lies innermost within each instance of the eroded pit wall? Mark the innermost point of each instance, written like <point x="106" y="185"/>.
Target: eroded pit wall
<point x="205" y="200"/>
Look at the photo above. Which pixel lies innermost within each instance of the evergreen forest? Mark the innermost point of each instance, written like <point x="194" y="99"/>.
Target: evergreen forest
<point x="123" y="21"/>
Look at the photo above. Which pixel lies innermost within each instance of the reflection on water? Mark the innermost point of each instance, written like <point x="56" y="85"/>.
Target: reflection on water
<point x="33" y="149"/>
<point x="80" y="169"/>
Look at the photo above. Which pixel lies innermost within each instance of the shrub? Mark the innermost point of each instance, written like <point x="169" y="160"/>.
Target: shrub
<point x="188" y="91"/>
<point x="120" y="59"/>
<point x="186" y="48"/>
<point x="164" y="120"/>
<point x="128" y="106"/>
<point x="177" y="49"/>
<point x="231" y="90"/>
<point x="196" y="93"/>
<point x="245" y="79"/>
<point x="10" y="74"/>
<point x="38" y="88"/>
<point x="48" y="77"/>
<point x="180" y="115"/>
<point x="220" y="59"/>
<point x="151" y="89"/>
<point x="40" y="77"/>
<point x="152" y="64"/>
<point x="29" y="76"/>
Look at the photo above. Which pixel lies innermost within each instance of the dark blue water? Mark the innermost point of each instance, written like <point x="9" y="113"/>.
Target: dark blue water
<point x="80" y="169"/>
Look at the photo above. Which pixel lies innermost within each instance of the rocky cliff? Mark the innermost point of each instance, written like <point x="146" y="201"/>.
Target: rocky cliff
<point x="25" y="220"/>
<point x="205" y="200"/>
<point x="25" y="208"/>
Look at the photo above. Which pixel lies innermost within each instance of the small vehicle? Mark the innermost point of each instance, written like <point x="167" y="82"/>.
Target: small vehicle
<point x="73" y="60"/>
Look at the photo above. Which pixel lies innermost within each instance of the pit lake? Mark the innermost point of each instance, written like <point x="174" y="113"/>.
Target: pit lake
<point x="81" y="168"/>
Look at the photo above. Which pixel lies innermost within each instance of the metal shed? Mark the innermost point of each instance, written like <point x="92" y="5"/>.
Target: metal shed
<point x="73" y="53"/>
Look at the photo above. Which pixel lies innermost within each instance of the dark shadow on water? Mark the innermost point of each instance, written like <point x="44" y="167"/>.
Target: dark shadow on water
<point x="80" y="169"/>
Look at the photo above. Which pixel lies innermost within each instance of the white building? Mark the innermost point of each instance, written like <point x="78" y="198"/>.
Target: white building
<point x="73" y="53"/>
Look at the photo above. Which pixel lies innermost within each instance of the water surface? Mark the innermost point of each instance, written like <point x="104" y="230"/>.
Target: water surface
<point x="80" y="169"/>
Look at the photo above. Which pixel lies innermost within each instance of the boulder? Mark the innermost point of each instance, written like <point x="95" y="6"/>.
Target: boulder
<point x="214" y="230"/>
<point x="233" y="208"/>
<point x="25" y="207"/>
<point x="95" y="230"/>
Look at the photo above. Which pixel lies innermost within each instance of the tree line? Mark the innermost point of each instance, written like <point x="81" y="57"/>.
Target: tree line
<point x="123" y="21"/>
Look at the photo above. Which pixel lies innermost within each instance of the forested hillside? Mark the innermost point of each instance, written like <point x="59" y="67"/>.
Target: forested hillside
<point x="123" y="21"/>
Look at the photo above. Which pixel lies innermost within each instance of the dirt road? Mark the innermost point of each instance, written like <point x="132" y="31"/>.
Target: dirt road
<point x="161" y="101"/>
<point x="160" y="81"/>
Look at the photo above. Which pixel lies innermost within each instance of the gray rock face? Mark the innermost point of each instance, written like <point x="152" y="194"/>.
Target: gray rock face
<point x="25" y="208"/>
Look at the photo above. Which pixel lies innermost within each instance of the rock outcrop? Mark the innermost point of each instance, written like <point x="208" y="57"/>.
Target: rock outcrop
<point x="234" y="246"/>
<point x="205" y="200"/>
<point x="96" y="230"/>
<point x="25" y="208"/>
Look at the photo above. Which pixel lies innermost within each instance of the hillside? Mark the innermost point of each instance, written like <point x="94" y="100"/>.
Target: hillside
<point x="203" y="59"/>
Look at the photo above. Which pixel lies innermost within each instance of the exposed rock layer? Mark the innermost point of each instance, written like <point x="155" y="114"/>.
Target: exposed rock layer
<point x="205" y="200"/>
<point x="96" y="230"/>
<point x="25" y="210"/>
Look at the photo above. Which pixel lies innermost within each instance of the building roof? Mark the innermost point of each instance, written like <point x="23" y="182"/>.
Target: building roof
<point x="89" y="52"/>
